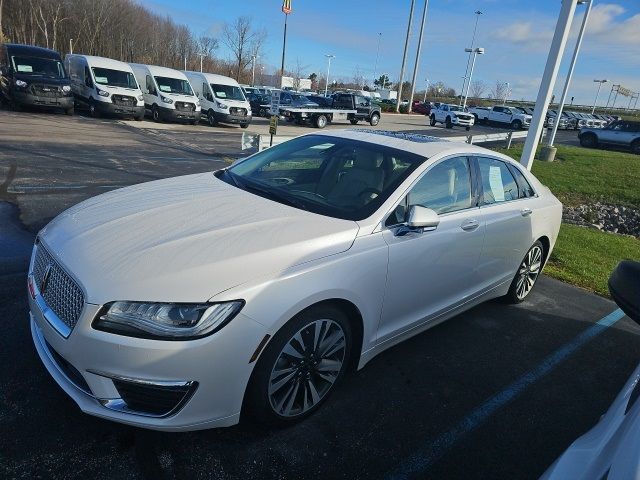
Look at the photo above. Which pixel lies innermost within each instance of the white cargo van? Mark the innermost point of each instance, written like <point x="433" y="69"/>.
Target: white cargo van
<point x="221" y="99"/>
<point x="167" y="93"/>
<point x="106" y="86"/>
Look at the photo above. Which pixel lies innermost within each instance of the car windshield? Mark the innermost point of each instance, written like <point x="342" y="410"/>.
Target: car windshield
<point x="331" y="176"/>
<point x="44" y="67"/>
<point x="173" y="85"/>
<point x="520" y="109"/>
<point x="299" y="98"/>
<point x="227" y="92"/>
<point x="456" y="108"/>
<point x="114" y="78"/>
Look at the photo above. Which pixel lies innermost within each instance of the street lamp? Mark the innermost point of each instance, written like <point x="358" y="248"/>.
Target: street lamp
<point x="253" y="68"/>
<point x="326" y="84"/>
<point x="473" y="39"/>
<point x="425" y="91"/>
<point x="375" y="68"/>
<point x="506" y="94"/>
<point x="599" y="82"/>
<point x="476" y="52"/>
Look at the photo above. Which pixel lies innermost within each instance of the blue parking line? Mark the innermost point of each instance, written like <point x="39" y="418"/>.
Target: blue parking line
<point x="429" y="453"/>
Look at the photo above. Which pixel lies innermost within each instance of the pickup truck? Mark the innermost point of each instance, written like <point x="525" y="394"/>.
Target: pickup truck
<point x="501" y="114"/>
<point x="344" y="107"/>
<point x="451" y="115"/>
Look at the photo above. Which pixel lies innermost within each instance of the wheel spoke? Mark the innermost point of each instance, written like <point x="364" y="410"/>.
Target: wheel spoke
<point x="275" y="386"/>
<point x="292" y="397"/>
<point x="327" y="365"/>
<point x="280" y="404"/>
<point x="314" y="393"/>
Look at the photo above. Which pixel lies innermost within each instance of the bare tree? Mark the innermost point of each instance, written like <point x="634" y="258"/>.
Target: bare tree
<point x="499" y="91"/>
<point x="358" y="78"/>
<point x="478" y="87"/>
<point x="243" y="41"/>
<point x="298" y="73"/>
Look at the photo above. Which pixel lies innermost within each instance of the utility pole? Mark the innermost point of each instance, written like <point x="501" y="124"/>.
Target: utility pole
<point x="404" y="56"/>
<point x="572" y="66"/>
<point x="476" y="52"/>
<point x="375" y="68"/>
<point x="415" y="66"/>
<point x="470" y="49"/>
<point x="599" y="82"/>
<point x="554" y="59"/>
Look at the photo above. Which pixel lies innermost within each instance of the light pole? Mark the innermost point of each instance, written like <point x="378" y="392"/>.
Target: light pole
<point x="71" y="45"/>
<point x="425" y="92"/>
<point x="599" y="82"/>
<point x="326" y="84"/>
<point x="253" y="69"/>
<point x="476" y="52"/>
<point x="506" y="94"/>
<point x="375" y="68"/>
<point x="415" y="66"/>
<point x="201" y="57"/>
<point x="572" y="65"/>
<point x="470" y="49"/>
<point x="404" y="56"/>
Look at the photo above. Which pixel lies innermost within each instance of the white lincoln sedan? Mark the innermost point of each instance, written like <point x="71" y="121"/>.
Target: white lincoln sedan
<point x="185" y="303"/>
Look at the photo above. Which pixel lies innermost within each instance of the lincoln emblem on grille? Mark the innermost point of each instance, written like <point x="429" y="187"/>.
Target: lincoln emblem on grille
<point x="45" y="278"/>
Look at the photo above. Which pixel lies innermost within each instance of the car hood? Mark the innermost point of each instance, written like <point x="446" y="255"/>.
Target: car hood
<point x="185" y="239"/>
<point x="41" y="80"/>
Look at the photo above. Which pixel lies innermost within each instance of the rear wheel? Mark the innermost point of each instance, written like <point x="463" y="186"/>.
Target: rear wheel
<point x="321" y="121"/>
<point x="432" y="121"/>
<point x="300" y="366"/>
<point x="374" y="120"/>
<point x="354" y="121"/>
<point x="527" y="274"/>
<point x="588" y="140"/>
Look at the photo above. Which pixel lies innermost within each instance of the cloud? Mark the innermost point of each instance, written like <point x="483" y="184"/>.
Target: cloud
<point x="525" y="35"/>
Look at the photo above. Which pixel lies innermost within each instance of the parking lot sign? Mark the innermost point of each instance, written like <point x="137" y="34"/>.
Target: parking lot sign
<point x="275" y="102"/>
<point x="273" y="125"/>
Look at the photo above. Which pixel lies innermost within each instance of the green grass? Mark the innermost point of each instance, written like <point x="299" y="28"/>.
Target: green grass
<point x="586" y="257"/>
<point x="582" y="256"/>
<point x="580" y="175"/>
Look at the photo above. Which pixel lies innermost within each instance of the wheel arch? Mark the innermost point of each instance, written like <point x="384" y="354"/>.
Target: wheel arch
<point x="546" y="245"/>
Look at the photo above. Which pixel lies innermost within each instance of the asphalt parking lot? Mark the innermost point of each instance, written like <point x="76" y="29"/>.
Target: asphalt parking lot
<point x="497" y="392"/>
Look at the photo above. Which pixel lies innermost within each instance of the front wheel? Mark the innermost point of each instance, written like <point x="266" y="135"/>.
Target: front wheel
<point x="527" y="274"/>
<point x="300" y="366"/>
<point x="516" y="125"/>
<point x="374" y="120"/>
<point x="432" y="121"/>
<point x="69" y="111"/>
<point x="155" y="114"/>
<point x="635" y="146"/>
<point x="448" y="123"/>
<point x="244" y="125"/>
<point x="211" y="118"/>
<point x="467" y="128"/>
<point x="93" y="109"/>
<point x="588" y="140"/>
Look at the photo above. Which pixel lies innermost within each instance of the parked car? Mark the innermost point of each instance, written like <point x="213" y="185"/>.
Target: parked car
<point x="105" y="86"/>
<point x="295" y="100"/>
<point x="168" y="95"/>
<point x="610" y="449"/>
<point x="34" y="76"/>
<point x="259" y="103"/>
<point x="187" y="302"/>
<point x="621" y="133"/>
<point x="451" y="115"/>
<point x="421" y="107"/>
<point x="221" y="99"/>
<point x="322" y="101"/>
<point x="565" y="122"/>
<point x="511" y="116"/>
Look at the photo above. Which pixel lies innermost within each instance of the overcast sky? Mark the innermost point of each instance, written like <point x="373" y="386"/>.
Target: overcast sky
<point x="516" y="35"/>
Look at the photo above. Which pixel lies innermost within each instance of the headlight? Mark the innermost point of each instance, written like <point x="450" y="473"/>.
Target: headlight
<point x="21" y="83"/>
<point x="166" y="99"/>
<point x="222" y="106"/>
<point x="102" y="93"/>
<point x="197" y="103"/>
<point x="166" y="321"/>
<point x="66" y="88"/>
<point x="141" y="97"/>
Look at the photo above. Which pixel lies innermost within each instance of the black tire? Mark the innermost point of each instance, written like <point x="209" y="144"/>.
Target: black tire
<point x="374" y="120"/>
<point x="211" y="118"/>
<point x="263" y="112"/>
<point x="257" y="402"/>
<point x="588" y="140"/>
<point x="321" y="121"/>
<point x="635" y="146"/>
<point x="448" y="123"/>
<point x="69" y="111"/>
<point x="244" y="125"/>
<point x="432" y="120"/>
<point x="467" y="128"/>
<point x="139" y="117"/>
<point x="155" y="114"/>
<point x="475" y="118"/>
<point x="516" y="125"/>
<point x="354" y="121"/>
<point x="513" y="295"/>
<point x="93" y="109"/>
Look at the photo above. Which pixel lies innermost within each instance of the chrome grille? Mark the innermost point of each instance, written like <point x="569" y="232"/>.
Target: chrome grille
<point x="46" y="91"/>
<point x="124" y="100"/>
<point x="185" y="107"/>
<point x="61" y="293"/>
<point x="238" y="111"/>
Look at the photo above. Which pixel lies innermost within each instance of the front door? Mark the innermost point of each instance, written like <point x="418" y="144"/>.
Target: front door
<point x="432" y="271"/>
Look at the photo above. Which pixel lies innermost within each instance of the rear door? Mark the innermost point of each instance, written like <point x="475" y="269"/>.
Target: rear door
<point x="506" y="210"/>
<point x="614" y="133"/>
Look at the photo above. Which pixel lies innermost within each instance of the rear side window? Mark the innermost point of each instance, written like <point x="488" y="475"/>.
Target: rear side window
<point x="498" y="185"/>
<point x="524" y="187"/>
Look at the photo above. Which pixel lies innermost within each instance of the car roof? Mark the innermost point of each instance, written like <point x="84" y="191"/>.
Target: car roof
<point x="156" y="70"/>
<point x="214" y="78"/>
<point x="19" y="49"/>
<point x="102" y="62"/>
<point x="423" y="145"/>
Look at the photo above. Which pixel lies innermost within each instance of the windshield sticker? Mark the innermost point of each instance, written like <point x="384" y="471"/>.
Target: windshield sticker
<point x="495" y="182"/>
<point x="102" y="80"/>
<point x="25" y="68"/>
<point x="221" y="95"/>
<point x="165" y="88"/>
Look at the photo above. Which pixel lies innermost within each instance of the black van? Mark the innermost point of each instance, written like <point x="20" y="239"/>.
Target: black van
<point x="34" y="76"/>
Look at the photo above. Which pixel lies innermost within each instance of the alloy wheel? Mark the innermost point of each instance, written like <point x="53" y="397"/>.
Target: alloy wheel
<point x="307" y="367"/>
<point x="529" y="271"/>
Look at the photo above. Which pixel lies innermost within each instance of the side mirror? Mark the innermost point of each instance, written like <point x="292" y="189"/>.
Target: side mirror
<point x="422" y="217"/>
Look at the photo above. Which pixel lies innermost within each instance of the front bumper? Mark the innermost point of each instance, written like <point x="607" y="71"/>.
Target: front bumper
<point x="233" y="119"/>
<point x="173" y="115"/>
<point x="29" y="99"/>
<point x="463" y="122"/>
<point x="108" y="108"/>
<point x="90" y="366"/>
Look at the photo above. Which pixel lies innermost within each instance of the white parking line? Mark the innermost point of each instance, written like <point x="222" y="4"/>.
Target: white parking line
<point x="431" y="452"/>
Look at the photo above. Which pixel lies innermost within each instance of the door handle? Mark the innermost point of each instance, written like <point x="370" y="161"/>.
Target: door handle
<point x="525" y="212"/>
<point x="469" y="225"/>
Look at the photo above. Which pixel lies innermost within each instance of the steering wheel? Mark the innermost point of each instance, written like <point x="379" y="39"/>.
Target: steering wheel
<point x="370" y="191"/>
<point x="309" y="194"/>
<point x="280" y="181"/>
